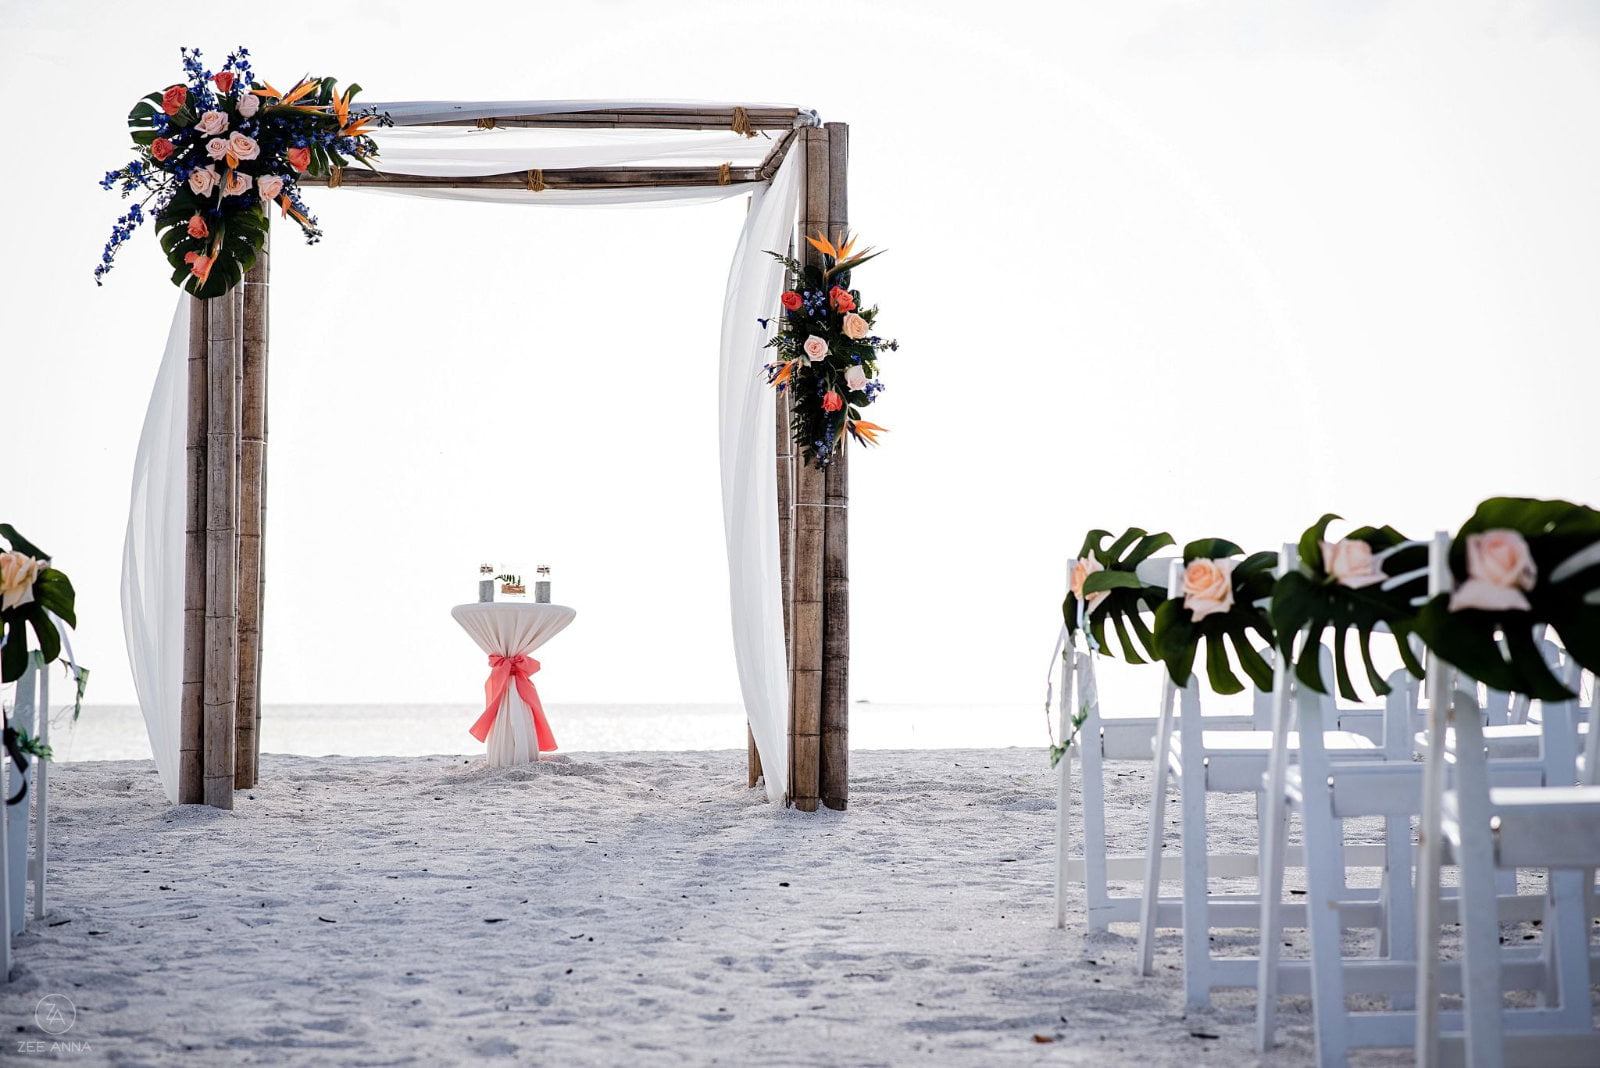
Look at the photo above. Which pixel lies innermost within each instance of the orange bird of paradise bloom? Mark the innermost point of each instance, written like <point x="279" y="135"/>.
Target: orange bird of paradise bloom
<point x="839" y="252"/>
<point x="783" y="374"/>
<point x="866" y="432"/>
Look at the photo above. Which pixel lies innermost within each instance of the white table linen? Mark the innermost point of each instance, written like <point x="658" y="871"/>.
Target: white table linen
<point x="509" y="629"/>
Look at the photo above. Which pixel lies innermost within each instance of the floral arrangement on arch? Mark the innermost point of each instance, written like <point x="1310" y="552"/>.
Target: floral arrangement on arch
<point x="827" y="351"/>
<point x="1519" y="563"/>
<point x="1222" y="600"/>
<point x="216" y="151"/>
<point x="1106" y="588"/>
<point x="1372" y="576"/>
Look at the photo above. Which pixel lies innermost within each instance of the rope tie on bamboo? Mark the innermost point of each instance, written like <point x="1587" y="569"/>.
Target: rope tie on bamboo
<point x="536" y="182"/>
<point x="741" y="123"/>
<point x="725" y="174"/>
<point x="486" y="124"/>
<point x="336" y="178"/>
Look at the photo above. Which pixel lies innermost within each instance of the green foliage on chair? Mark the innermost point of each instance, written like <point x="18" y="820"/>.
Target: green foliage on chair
<point x="1178" y="634"/>
<point x="43" y="590"/>
<point x="1345" y="593"/>
<point x="1127" y="596"/>
<point x="1495" y="645"/>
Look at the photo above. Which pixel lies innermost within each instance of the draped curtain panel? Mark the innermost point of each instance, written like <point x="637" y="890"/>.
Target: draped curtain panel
<point x="152" y="573"/>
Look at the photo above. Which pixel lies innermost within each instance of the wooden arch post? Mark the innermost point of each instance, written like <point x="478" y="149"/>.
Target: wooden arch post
<point x="225" y="487"/>
<point x="818" y="585"/>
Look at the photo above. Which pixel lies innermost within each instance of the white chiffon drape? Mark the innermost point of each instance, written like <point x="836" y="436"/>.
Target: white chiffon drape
<point x="152" y="580"/>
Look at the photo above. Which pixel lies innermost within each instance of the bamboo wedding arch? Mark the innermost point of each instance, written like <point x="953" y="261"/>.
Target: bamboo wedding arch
<point x="226" y="469"/>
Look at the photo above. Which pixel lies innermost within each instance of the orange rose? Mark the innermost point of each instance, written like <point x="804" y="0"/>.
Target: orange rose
<point x="791" y="300"/>
<point x="161" y="149"/>
<point x="198" y="227"/>
<point x="842" y="300"/>
<point x="199" y="265"/>
<point x="174" y="99"/>
<point x="831" y="401"/>
<point x="1208" y="587"/>
<point x="224" y="81"/>
<point x="299" y="158"/>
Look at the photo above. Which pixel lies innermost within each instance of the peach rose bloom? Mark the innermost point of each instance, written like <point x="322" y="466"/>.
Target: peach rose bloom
<point x="249" y="104"/>
<point x="216" y="148"/>
<point x="243" y="147"/>
<point x="1350" y="563"/>
<point x="855" y="377"/>
<point x="1499" y="568"/>
<point x="212" y="123"/>
<point x="816" y="348"/>
<point x="299" y="158"/>
<point x="856" y="327"/>
<point x="831" y="401"/>
<point x="203" y="180"/>
<point x="269" y="186"/>
<point x="1082" y="569"/>
<point x="1208" y="587"/>
<point x="18" y="573"/>
<point x="198" y="227"/>
<point x="237" y="184"/>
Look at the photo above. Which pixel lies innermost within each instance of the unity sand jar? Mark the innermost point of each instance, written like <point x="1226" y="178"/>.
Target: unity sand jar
<point x="541" y="586"/>
<point x="485" y="584"/>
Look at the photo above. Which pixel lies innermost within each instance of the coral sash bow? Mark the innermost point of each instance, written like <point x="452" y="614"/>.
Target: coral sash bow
<point x="505" y="671"/>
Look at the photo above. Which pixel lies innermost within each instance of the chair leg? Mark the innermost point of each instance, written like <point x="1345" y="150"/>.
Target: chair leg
<point x="1273" y="838"/>
<point x="1569" y="939"/>
<point x="1064" y="789"/>
<point x="1094" y="808"/>
<point x="1324" y="886"/>
<point x="1151" y="893"/>
<point x="1480" y="902"/>
<point x="1196" y="905"/>
<point x="1400" y="902"/>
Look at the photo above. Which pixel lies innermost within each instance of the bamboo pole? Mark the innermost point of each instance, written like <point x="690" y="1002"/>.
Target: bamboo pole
<point x="571" y="178"/>
<point x="221" y="686"/>
<point x="834" y="772"/>
<point x="757" y="118"/>
<point x="191" y="729"/>
<point x="783" y="450"/>
<point x="805" y="703"/>
<point x="252" y="504"/>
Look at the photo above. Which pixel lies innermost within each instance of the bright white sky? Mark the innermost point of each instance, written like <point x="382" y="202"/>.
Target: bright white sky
<point x="1209" y="268"/>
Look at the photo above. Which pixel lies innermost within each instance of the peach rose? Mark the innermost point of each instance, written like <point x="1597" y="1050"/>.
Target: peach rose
<point x="1082" y="569"/>
<point x="269" y="186"/>
<point x="18" y="573"/>
<point x="216" y="148"/>
<point x="198" y="228"/>
<point x="856" y="327"/>
<point x="212" y="123"/>
<point x="243" y="147"/>
<point x="1499" y="568"/>
<point x="238" y="184"/>
<point x="1208" y="587"/>
<point x="299" y="158"/>
<point x="831" y="401"/>
<point x="816" y="348"/>
<point x="199" y="265"/>
<point x="1350" y="563"/>
<point x="249" y="104"/>
<point x="855" y="377"/>
<point x="203" y="180"/>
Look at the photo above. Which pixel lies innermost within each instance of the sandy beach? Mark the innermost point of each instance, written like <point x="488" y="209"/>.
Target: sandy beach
<point x="603" y="909"/>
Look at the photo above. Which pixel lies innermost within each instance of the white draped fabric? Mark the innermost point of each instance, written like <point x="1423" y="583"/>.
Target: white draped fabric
<point x="152" y="584"/>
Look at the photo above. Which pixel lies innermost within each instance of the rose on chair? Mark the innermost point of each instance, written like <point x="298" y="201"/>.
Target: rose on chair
<point x="1106" y="586"/>
<point x="1222" y="600"/>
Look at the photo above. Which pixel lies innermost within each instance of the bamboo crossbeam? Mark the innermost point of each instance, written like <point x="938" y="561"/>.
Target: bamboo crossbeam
<point x="834" y="772"/>
<point x="252" y="505"/>
<point x="191" y="714"/>
<point x="572" y="178"/>
<point x="769" y="166"/>
<point x="805" y="703"/>
<point x="640" y="119"/>
<point x="221" y="686"/>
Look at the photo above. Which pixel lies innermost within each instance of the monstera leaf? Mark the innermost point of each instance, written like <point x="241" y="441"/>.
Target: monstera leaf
<point x="1355" y="595"/>
<point x="52" y="592"/>
<point x="1496" y="646"/>
<point x="1178" y="634"/>
<point x="1114" y="572"/>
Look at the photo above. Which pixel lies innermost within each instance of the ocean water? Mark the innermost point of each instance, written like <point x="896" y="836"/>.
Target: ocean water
<point x="117" y="732"/>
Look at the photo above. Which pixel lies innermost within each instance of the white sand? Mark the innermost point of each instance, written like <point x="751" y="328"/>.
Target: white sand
<point x="612" y="909"/>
